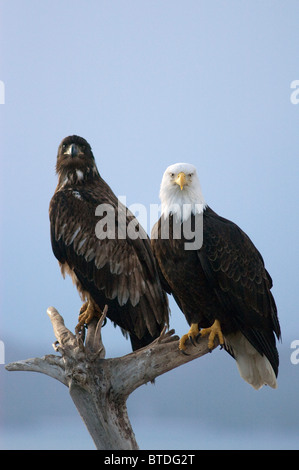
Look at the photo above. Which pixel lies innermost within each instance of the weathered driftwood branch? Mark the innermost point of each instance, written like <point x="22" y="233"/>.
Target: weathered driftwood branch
<point x="100" y="387"/>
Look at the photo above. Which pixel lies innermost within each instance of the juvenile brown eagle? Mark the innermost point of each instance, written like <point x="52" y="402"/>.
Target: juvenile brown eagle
<point x="221" y="286"/>
<point x="115" y="269"/>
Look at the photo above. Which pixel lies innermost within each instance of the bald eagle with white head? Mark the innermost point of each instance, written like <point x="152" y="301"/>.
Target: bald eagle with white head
<point x="220" y="284"/>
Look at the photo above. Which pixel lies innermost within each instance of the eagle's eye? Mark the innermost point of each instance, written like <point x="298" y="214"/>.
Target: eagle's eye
<point x="64" y="146"/>
<point x="171" y="175"/>
<point x="83" y="147"/>
<point x="190" y="174"/>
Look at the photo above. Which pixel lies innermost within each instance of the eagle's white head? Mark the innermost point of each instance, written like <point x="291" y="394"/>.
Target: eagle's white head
<point x="180" y="191"/>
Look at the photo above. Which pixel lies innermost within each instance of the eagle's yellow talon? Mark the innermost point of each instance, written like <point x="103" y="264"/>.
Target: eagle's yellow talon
<point x="192" y="334"/>
<point x="83" y="308"/>
<point x="87" y="312"/>
<point x="182" y="342"/>
<point x="213" y="331"/>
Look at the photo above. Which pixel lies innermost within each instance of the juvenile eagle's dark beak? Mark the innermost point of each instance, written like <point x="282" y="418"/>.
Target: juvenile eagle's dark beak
<point x="72" y="150"/>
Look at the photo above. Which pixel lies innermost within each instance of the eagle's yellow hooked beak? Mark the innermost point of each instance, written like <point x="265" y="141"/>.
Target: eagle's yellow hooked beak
<point x="181" y="180"/>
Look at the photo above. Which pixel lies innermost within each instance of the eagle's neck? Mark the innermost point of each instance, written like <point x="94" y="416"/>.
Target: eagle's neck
<point x="77" y="176"/>
<point x="181" y="204"/>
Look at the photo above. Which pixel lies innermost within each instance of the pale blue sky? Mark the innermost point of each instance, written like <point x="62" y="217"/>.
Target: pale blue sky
<point x="148" y="84"/>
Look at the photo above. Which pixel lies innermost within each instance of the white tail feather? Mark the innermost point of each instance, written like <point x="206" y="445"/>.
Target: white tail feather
<point x="253" y="367"/>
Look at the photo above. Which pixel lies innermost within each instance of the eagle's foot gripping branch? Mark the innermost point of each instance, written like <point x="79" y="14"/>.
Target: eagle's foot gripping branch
<point x="212" y="332"/>
<point x="192" y="335"/>
<point x="88" y="311"/>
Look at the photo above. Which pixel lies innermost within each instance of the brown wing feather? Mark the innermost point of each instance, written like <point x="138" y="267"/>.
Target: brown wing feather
<point x="226" y="279"/>
<point x="120" y="272"/>
<point x="235" y="269"/>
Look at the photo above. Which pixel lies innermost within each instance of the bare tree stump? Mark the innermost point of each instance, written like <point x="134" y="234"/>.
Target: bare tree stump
<point x="100" y="387"/>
